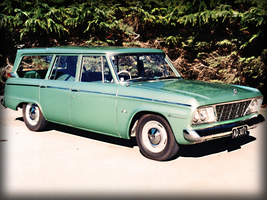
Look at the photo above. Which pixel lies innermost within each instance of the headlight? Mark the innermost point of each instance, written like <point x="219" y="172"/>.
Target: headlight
<point x="254" y="106"/>
<point x="204" y="115"/>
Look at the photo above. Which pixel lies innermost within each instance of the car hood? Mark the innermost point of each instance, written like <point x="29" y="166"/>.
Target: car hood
<point x="203" y="92"/>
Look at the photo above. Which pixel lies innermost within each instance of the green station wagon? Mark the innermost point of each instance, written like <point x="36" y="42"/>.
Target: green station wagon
<point x="127" y="92"/>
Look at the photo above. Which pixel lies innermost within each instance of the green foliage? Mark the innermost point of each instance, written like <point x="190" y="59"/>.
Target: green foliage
<point x="119" y="21"/>
<point x="40" y="18"/>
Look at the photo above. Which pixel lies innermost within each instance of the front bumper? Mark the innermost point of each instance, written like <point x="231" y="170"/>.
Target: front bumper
<point x="225" y="130"/>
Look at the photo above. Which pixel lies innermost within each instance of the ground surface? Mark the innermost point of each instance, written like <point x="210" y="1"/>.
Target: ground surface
<point x="70" y="163"/>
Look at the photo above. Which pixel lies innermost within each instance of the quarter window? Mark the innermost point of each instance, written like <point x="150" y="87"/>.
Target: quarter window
<point x="95" y="68"/>
<point x="34" y="66"/>
<point x="64" y="68"/>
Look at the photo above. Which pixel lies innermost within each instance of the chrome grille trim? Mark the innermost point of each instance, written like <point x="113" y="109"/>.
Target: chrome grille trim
<point x="231" y="110"/>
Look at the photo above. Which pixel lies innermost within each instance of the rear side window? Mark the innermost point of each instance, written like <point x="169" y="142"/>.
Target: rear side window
<point x="34" y="66"/>
<point x="64" y="68"/>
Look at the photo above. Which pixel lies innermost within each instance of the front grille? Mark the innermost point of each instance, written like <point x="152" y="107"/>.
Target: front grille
<point x="231" y="110"/>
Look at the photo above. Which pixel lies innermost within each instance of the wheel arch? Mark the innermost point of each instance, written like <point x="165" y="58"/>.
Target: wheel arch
<point x="137" y="116"/>
<point x="20" y="105"/>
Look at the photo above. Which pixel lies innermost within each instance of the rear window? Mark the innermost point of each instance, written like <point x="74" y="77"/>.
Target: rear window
<point x="34" y="66"/>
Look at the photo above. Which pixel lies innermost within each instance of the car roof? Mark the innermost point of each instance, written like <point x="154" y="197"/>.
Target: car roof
<point x="88" y="49"/>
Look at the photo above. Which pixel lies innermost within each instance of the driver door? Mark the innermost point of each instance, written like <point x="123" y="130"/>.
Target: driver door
<point x="93" y="99"/>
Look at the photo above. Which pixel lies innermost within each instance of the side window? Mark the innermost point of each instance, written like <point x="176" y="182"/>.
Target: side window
<point x="64" y="68"/>
<point x="34" y="66"/>
<point x="95" y="68"/>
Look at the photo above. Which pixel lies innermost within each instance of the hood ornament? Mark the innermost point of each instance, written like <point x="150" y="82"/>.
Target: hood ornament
<point x="235" y="91"/>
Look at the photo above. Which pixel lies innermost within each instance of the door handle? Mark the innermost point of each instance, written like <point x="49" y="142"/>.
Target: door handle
<point x="74" y="90"/>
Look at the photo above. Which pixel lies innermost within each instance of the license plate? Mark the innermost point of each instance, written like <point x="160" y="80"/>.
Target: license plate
<point x="239" y="131"/>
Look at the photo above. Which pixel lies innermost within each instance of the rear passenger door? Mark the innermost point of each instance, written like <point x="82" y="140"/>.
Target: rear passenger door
<point x="93" y="99"/>
<point x="55" y="91"/>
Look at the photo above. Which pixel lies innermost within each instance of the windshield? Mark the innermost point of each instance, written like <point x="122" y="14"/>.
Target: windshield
<point x="139" y="67"/>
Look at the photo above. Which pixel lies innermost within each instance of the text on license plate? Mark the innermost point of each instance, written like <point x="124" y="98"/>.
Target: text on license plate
<point x="239" y="131"/>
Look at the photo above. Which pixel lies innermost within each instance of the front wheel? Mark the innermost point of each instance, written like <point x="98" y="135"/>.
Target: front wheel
<point x="33" y="117"/>
<point x="155" y="138"/>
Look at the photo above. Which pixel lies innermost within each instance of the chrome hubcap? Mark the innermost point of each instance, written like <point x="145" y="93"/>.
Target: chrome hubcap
<point x="32" y="114"/>
<point x="154" y="136"/>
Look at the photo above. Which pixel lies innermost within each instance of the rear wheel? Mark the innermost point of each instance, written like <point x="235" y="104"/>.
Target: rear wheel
<point x="155" y="138"/>
<point x="33" y="117"/>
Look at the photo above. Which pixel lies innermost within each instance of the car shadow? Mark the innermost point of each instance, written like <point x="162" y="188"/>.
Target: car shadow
<point x="92" y="135"/>
<point x="215" y="146"/>
<point x="197" y="150"/>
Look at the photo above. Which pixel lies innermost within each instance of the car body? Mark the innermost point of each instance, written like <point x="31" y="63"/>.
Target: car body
<point x="127" y="92"/>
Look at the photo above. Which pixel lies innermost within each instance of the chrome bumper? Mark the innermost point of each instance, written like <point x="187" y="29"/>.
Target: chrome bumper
<point x="202" y="135"/>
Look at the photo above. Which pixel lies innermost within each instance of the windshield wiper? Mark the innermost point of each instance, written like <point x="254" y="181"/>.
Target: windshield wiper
<point x="140" y="79"/>
<point x="169" y="77"/>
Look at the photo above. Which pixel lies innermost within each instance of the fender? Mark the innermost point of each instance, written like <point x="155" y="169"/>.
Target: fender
<point x="127" y="114"/>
